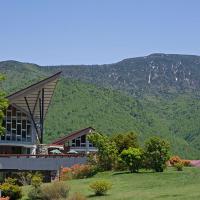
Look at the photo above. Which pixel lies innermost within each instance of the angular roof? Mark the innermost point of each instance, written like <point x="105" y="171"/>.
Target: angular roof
<point x="33" y="93"/>
<point x="72" y="135"/>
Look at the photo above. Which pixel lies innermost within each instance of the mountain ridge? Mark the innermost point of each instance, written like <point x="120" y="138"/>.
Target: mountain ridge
<point x="118" y="98"/>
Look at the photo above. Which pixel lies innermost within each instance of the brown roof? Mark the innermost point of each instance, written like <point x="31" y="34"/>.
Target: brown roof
<point x="71" y="135"/>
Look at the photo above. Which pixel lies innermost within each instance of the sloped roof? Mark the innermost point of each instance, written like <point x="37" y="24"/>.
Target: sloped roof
<point x="73" y="135"/>
<point x="32" y="94"/>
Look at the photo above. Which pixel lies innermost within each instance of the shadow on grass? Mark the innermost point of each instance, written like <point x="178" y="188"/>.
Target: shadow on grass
<point x="126" y="172"/>
<point x="120" y="173"/>
<point x="99" y="196"/>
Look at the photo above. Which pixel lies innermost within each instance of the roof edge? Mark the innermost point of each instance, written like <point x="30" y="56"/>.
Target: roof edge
<point x="19" y="92"/>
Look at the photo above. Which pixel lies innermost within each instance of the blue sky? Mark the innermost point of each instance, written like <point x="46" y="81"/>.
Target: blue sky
<point x="50" y="32"/>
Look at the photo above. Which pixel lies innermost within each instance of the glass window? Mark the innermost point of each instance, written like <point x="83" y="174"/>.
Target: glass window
<point x="78" y="143"/>
<point x="18" y="129"/>
<point x="18" y="138"/>
<point x="9" y="128"/>
<point x="14" y="135"/>
<point x="14" y="123"/>
<point x="23" y="124"/>
<point x="83" y="138"/>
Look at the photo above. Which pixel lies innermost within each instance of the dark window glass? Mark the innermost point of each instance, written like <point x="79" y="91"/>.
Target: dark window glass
<point x="3" y="137"/>
<point x="18" y="138"/>
<point x="13" y="111"/>
<point x="28" y="151"/>
<point x="28" y="130"/>
<point x="9" y="127"/>
<point x="7" y="137"/>
<point x="14" y="123"/>
<point x="78" y="143"/>
<point x="18" y="117"/>
<point x="23" y="135"/>
<point x="18" y="129"/>
<point x="83" y="138"/>
<point x="23" y="124"/>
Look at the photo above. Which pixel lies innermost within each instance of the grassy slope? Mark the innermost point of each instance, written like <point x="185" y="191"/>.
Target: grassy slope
<point x="147" y="186"/>
<point x="169" y="185"/>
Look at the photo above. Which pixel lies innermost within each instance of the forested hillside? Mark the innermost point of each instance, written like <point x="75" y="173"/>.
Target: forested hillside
<point x="153" y="95"/>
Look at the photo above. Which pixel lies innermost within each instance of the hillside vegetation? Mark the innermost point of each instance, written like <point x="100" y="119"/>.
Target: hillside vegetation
<point x="154" y="95"/>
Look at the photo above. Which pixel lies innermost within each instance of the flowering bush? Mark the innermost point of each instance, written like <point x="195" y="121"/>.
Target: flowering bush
<point x="78" y="172"/>
<point x="186" y="163"/>
<point x="174" y="159"/>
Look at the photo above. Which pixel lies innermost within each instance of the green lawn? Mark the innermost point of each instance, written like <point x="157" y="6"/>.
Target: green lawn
<point x="145" y="186"/>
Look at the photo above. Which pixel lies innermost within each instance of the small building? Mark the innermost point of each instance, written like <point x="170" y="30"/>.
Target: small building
<point x="24" y="118"/>
<point x="76" y="141"/>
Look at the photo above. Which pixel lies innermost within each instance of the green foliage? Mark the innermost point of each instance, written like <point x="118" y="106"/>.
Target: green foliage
<point x="3" y="105"/>
<point x="132" y="157"/>
<point x="107" y="150"/>
<point x="100" y="187"/>
<point x="156" y="154"/>
<point x="36" y="181"/>
<point x="35" y="193"/>
<point x="55" y="191"/>
<point x="10" y="189"/>
<point x="179" y="166"/>
<point x="124" y="141"/>
<point x="165" y="107"/>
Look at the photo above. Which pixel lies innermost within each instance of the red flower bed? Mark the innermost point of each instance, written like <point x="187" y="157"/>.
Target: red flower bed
<point x="78" y="172"/>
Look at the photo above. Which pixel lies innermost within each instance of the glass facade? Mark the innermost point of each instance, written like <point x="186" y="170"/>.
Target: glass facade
<point x="18" y="126"/>
<point x="80" y="142"/>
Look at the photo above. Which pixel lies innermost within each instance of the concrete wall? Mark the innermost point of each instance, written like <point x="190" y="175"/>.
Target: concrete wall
<point x="39" y="163"/>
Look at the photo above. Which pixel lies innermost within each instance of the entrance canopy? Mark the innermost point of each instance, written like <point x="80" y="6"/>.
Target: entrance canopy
<point x="35" y="100"/>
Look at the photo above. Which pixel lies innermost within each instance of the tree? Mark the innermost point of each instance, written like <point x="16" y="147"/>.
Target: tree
<point x="156" y="154"/>
<point x="107" y="151"/>
<point x="3" y="106"/>
<point x="124" y="141"/>
<point x="132" y="157"/>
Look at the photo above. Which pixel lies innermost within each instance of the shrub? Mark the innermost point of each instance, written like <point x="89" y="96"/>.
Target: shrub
<point x="55" y="191"/>
<point x="174" y="159"/>
<point x="10" y="189"/>
<point x="83" y="171"/>
<point x="132" y="157"/>
<point x="186" y="163"/>
<point x="35" y="193"/>
<point x="100" y="187"/>
<point x="179" y="166"/>
<point x="36" y="181"/>
<point x="156" y="154"/>
<point x="78" y="172"/>
<point x="77" y="196"/>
